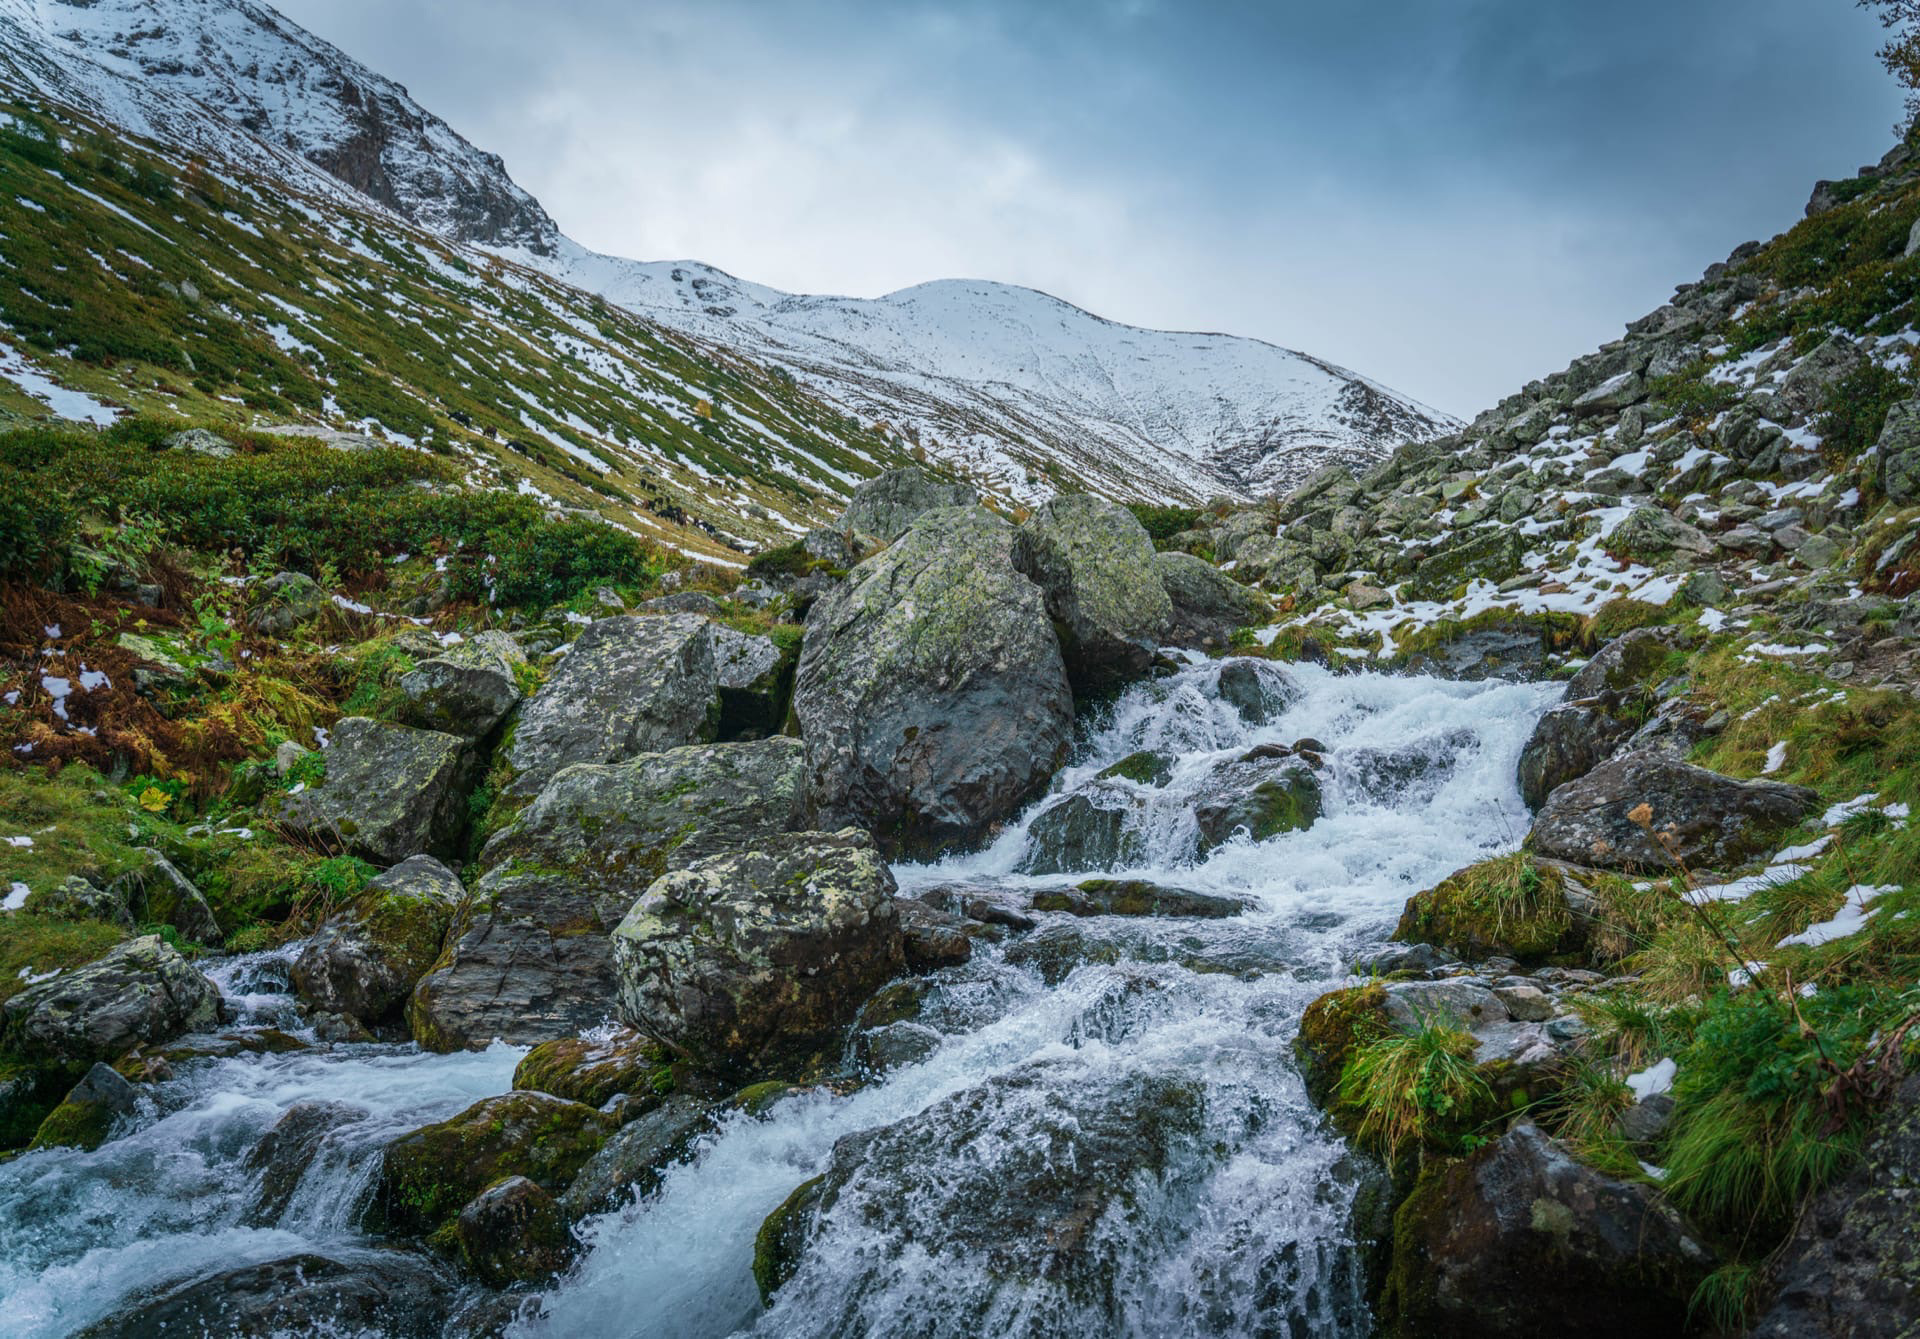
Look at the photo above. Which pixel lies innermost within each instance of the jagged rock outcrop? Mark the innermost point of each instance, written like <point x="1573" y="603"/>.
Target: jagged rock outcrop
<point x="931" y="692"/>
<point x="1605" y="703"/>
<point x="884" y="506"/>
<point x="754" y="960"/>
<point x="629" y="685"/>
<point x="1206" y="605"/>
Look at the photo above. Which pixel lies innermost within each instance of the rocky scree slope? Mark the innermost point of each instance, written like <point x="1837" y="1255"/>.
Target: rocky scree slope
<point x="1020" y="391"/>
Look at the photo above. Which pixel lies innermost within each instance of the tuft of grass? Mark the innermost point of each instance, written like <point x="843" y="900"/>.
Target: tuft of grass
<point x="1413" y="1089"/>
<point x="1509" y="904"/>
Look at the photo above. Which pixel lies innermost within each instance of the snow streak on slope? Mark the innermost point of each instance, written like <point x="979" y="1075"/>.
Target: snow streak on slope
<point x="1024" y="392"/>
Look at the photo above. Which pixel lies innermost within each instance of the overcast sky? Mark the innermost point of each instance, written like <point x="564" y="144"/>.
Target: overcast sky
<point x="1451" y="196"/>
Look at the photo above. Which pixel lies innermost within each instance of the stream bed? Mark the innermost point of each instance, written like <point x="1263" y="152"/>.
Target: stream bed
<point x="1098" y="1127"/>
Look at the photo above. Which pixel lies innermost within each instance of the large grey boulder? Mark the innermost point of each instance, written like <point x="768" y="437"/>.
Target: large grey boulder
<point x="931" y="691"/>
<point x="1206" y="604"/>
<point x="1653" y="534"/>
<point x="1707" y="820"/>
<point x="140" y="993"/>
<point x="401" y="1295"/>
<point x="532" y="961"/>
<point x="629" y="686"/>
<point x="754" y="960"/>
<point x="1804" y="390"/>
<point x="390" y="792"/>
<point x="161" y="895"/>
<point x="1522" y="1239"/>
<point x="468" y="689"/>
<point x="1898" y="453"/>
<point x="631" y="1163"/>
<point x="886" y="505"/>
<point x="1093" y="561"/>
<point x="1605" y="703"/>
<point x="1851" y="1270"/>
<point x="1259" y="794"/>
<point x="365" y="961"/>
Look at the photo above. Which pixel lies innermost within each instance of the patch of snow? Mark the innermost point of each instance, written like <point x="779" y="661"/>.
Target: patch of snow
<point x="1849" y="920"/>
<point x="1655" y="1079"/>
<point x="1776" y="759"/>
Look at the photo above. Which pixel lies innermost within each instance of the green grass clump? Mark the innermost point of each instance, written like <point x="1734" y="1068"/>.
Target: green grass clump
<point x="1855" y="410"/>
<point x="1511" y="904"/>
<point x="1689" y="395"/>
<point x="1413" y="1089"/>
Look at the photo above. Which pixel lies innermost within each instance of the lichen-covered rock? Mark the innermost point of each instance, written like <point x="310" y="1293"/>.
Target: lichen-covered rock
<point x="592" y="1069"/>
<point x="513" y="1232"/>
<point x="1897" y="454"/>
<point x="533" y="961"/>
<point x="1206" y="605"/>
<point x="887" y="504"/>
<point x="467" y="689"/>
<point x="1521" y="1239"/>
<point x="161" y="895"/>
<point x="1851" y="1270"/>
<point x="754" y="960"/>
<point x="1653" y="534"/>
<point x="1093" y="561"/>
<point x="631" y="1162"/>
<point x="1493" y="556"/>
<point x="427" y="1177"/>
<point x="282" y="602"/>
<point x="1705" y="820"/>
<point x="931" y="692"/>
<point x="395" y="1294"/>
<point x="1605" y="703"/>
<point x="89" y="1111"/>
<point x="390" y="792"/>
<point x="78" y="898"/>
<point x="141" y="992"/>
<point x="365" y="961"/>
<point x="629" y="686"/>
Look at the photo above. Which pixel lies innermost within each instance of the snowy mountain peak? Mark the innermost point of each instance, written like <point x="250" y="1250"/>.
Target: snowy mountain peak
<point x="1024" y="392"/>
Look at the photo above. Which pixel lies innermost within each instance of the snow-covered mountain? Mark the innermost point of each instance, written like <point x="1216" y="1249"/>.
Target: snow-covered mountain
<point x="1019" y="389"/>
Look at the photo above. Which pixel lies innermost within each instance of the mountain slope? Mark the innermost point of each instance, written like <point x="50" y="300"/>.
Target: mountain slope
<point x="1025" y="393"/>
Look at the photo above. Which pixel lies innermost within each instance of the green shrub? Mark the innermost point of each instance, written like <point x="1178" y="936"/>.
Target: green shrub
<point x="1856" y="409"/>
<point x="1163" y="523"/>
<point x="1413" y="1088"/>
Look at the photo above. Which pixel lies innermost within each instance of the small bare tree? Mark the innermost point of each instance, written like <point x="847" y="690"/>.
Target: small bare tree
<point x="1900" y="53"/>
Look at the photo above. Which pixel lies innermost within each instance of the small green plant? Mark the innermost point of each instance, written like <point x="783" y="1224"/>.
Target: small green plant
<point x="1413" y="1088"/>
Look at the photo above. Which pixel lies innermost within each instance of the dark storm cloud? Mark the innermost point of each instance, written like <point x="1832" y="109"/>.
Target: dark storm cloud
<point x="1452" y="196"/>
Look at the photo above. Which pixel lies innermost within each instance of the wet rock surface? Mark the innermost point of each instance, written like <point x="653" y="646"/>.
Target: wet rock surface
<point x="392" y="1293"/>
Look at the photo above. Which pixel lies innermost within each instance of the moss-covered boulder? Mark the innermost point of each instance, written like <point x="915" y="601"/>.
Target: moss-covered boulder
<point x="1143" y="768"/>
<point x="89" y="1111"/>
<point x="78" y="898"/>
<point x="283" y="602"/>
<point x="467" y="689"/>
<point x="1260" y="796"/>
<point x="390" y="792"/>
<point x="782" y="1237"/>
<point x="1515" y="906"/>
<point x="1135" y="897"/>
<point x="1521" y="1239"/>
<point x="532" y="961"/>
<point x="1206" y="605"/>
<point x="931" y="692"/>
<point x="365" y="961"/>
<point x="142" y="991"/>
<point x="161" y="895"/>
<point x="595" y="1068"/>
<point x="628" y="686"/>
<point x="513" y="1232"/>
<point x="426" y="1178"/>
<point x="1487" y="556"/>
<point x="755" y="960"/>
<point x="755" y="674"/>
<point x="1094" y="562"/>
<point x="1332" y="1028"/>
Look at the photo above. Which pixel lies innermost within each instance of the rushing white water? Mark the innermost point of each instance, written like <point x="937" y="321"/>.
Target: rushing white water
<point x="1137" y="1071"/>
<point x="1240" y="1226"/>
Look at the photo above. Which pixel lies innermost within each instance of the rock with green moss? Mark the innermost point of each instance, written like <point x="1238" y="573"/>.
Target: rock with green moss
<point x="1492" y="556"/>
<point x="887" y="504"/>
<point x="631" y="1163"/>
<point x="595" y="1068"/>
<point x="754" y="961"/>
<point x="931" y="691"/>
<point x="1092" y="829"/>
<point x="78" y="898"/>
<point x="533" y="961"/>
<point x="1332" y="1028"/>
<point x="1206" y="605"/>
<point x="282" y="602"/>
<point x="1515" y="906"/>
<point x="1135" y="897"/>
<point x="513" y="1232"/>
<point x="390" y="792"/>
<point x="1653" y="534"/>
<point x="755" y="673"/>
<point x="466" y="689"/>
<point x="1144" y="768"/>
<point x="1260" y="796"/>
<point x="1897" y="454"/>
<point x="27" y="1094"/>
<point x="89" y="1111"/>
<point x="162" y="895"/>
<point x="142" y="991"/>
<point x="1094" y="562"/>
<point x="1522" y="1239"/>
<point x="782" y="1237"/>
<point x="365" y="961"/>
<point x="427" y="1177"/>
<point x="628" y="686"/>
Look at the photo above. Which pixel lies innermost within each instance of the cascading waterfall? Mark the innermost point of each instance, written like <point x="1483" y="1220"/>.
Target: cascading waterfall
<point x="1137" y="1071"/>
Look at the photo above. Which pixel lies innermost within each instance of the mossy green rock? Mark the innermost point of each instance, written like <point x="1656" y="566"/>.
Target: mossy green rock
<point x="513" y="1232"/>
<point x="1485" y="557"/>
<point x="88" y="1113"/>
<point x="533" y="961"/>
<point x="426" y="1178"/>
<point x="1144" y="768"/>
<point x="1094" y="562"/>
<point x="365" y="961"/>
<point x="754" y="961"/>
<point x="1332" y="1028"/>
<point x="931" y="691"/>
<point x="1263" y="797"/>
<point x="467" y="689"/>
<point x="593" y="1069"/>
<point x="782" y="1237"/>
<point x="1497" y="908"/>
<point x="390" y="792"/>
